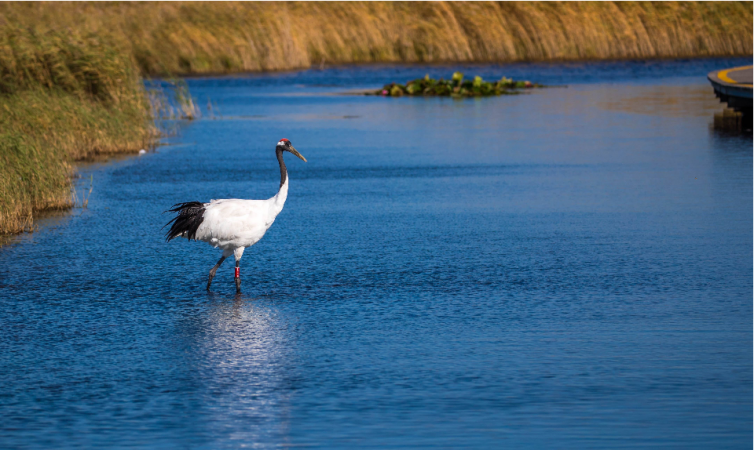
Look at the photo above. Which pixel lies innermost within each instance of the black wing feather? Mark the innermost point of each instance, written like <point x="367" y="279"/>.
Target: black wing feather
<point x="190" y="216"/>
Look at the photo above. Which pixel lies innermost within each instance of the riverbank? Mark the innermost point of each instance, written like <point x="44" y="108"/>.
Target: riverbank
<point x="200" y="38"/>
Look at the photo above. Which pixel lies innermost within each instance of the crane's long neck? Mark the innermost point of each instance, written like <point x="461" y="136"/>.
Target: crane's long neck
<point x="282" y="195"/>
<point x="283" y="171"/>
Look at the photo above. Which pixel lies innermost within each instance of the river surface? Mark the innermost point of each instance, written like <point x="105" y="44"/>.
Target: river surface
<point x="570" y="268"/>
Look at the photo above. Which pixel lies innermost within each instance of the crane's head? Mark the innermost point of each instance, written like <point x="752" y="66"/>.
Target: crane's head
<point x="285" y="146"/>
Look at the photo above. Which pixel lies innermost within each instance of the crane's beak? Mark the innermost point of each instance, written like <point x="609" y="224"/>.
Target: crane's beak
<point x="295" y="152"/>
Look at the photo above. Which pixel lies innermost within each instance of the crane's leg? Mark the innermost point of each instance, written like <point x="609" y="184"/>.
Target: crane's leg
<point x="214" y="270"/>
<point x="238" y="253"/>
<point x="238" y="277"/>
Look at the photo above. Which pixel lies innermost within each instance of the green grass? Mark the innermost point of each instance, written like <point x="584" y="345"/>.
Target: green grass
<point x="63" y="97"/>
<point x="42" y="133"/>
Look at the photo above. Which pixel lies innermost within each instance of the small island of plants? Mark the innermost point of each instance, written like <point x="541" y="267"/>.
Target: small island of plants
<point x="455" y="87"/>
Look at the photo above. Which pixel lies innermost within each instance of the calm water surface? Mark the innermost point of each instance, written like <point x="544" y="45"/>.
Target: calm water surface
<point x="570" y="268"/>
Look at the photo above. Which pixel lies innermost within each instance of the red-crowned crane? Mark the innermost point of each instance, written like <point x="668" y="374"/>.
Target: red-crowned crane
<point x="231" y="224"/>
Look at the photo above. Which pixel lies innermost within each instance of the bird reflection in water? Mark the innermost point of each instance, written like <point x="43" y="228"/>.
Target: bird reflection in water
<point x="243" y="358"/>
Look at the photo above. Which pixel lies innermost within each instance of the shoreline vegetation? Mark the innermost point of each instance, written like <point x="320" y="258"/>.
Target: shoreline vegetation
<point x="63" y="97"/>
<point x="72" y="74"/>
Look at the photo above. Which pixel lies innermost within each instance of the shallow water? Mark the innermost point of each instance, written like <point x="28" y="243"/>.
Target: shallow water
<point x="570" y="268"/>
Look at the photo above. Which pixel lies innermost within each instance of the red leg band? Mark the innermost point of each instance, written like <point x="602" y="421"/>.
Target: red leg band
<point x="238" y="272"/>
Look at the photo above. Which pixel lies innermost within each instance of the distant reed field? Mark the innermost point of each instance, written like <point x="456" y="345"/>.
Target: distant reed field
<point x="70" y="73"/>
<point x="194" y="38"/>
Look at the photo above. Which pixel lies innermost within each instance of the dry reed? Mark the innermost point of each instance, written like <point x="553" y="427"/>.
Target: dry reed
<point x="194" y="38"/>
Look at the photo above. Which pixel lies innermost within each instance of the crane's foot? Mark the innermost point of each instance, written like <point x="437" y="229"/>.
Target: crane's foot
<point x="209" y="281"/>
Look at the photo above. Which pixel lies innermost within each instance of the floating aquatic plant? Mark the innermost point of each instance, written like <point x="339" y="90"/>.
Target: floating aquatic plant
<point x="455" y="87"/>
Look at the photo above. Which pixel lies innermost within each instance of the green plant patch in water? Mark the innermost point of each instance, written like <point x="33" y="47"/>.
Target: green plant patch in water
<point x="457" y="86"/>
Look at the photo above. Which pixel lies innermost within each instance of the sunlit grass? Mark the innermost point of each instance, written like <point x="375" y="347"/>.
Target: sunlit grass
<point x="182" y="38"/>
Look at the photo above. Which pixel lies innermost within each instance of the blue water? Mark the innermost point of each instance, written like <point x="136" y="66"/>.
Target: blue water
<point x="571" y="268"/>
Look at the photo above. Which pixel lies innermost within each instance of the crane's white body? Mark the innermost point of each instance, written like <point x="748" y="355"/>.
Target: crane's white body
<point x="234" y="224"/>
<point x="231" y="224"/>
